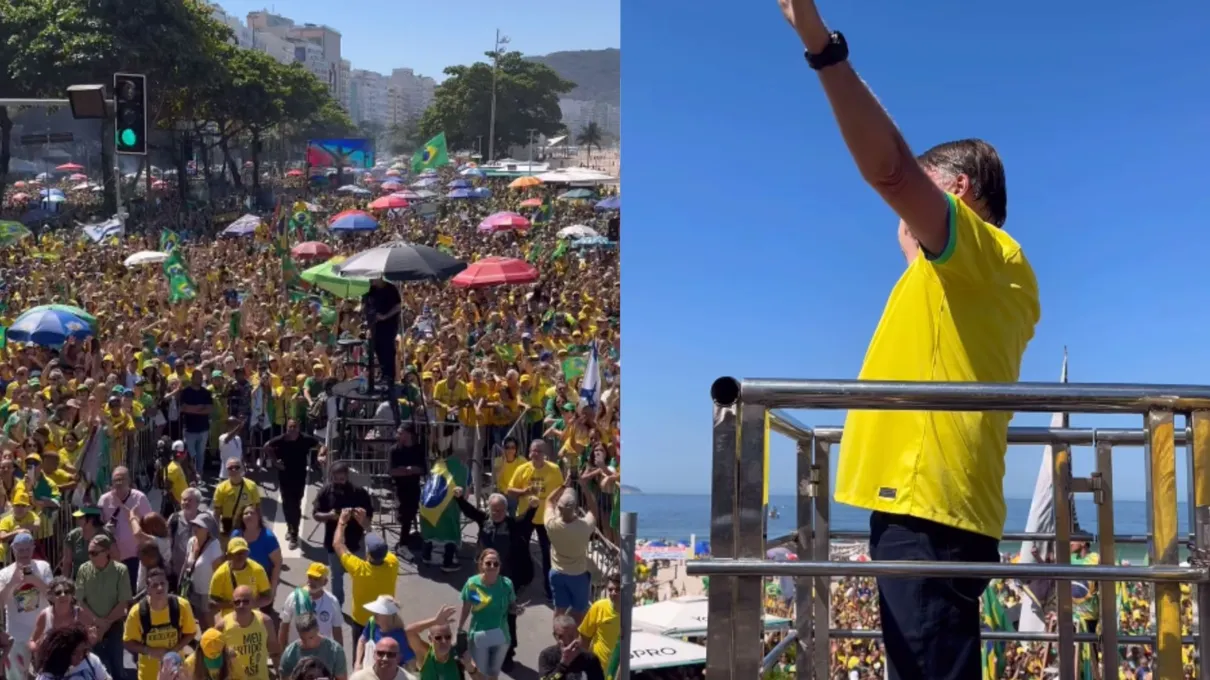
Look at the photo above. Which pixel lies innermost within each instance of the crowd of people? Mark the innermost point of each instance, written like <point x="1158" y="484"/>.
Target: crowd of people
<point x="138" y="455"/>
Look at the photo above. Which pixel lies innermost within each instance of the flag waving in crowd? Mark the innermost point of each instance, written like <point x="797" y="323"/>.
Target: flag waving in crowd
<point x="433" y="154"/>
<point x="180" y="286"/>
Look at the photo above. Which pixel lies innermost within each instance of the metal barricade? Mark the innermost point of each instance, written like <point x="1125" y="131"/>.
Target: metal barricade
<point x="743" y="408"/>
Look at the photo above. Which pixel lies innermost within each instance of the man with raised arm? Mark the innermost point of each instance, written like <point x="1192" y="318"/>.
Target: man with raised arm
<point x="963" y="311"/>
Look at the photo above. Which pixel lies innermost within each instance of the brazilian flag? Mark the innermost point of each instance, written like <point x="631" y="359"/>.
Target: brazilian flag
<point x="479" y="598"/>
<point x="559" y="251"/>
<point x="180" y="286"/>
<point x="169" y="241"/>
<point x="433" y="154"/>
<point x="995" y="618"/>
<point x="437" y="494"/>
<point x="543" y="214"/>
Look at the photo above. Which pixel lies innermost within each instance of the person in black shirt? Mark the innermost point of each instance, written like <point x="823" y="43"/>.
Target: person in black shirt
<point x="290" y="454"/>
<point x="566" y="659"/>
<point x="509" y="537"/>
<point x="196" y="404"/>
<point x="334" y="497"/>
<point x="408" y="465"/>
<point x="382" y="304"/>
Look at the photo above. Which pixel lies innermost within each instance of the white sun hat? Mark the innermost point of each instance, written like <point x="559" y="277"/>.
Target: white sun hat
<point x="385" y="605"/>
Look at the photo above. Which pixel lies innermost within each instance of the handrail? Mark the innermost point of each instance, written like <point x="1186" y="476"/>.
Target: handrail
<point x="937" y="396"/>
<point x="747" y="412"/>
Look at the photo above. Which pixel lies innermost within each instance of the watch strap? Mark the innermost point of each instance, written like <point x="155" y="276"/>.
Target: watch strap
<point x="834" y="53"/>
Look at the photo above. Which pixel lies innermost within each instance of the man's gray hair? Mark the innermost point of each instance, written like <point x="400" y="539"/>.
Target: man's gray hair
<point x="497" y="498"/>
<point x="569" y="499"/>
<point x="541" y="445"/>
<point x="306" y="622"/>
<point x="564" y="622"/>
<point x="192" y="492"/>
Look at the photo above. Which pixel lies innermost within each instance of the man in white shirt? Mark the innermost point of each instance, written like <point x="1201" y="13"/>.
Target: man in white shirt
<point x="314" y="599"/>
<point x="386" y="663"/>
<point x="230" y="446"/>
<point x="23" y="586"/>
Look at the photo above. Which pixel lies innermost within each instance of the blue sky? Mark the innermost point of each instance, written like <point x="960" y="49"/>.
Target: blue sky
<point x="754" y="249"/>
<point x="380" y="35"/>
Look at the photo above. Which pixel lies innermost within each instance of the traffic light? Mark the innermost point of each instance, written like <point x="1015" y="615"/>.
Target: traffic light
<point x="130" y="108"/>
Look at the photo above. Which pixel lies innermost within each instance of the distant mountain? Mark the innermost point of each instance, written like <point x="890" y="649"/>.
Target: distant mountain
<point x="631" y="490"/>
<point x="596" y="73"/>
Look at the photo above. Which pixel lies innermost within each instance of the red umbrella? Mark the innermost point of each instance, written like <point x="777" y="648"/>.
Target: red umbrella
<point x="388" y="202"/>
<point x="531" y="203"/>
<point x="294" y="173"/>
<point x="78" y="177"/>
<point x="495" y="271"/>
<point x="69" y="167"/>
<point x="311" y="250"/>
<point x="503" y="221"/>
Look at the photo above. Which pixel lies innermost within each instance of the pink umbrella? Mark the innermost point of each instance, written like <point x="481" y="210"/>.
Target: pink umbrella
<point x="392" y="173"/>
<point x="20" y="197"/>
<point x="159" y="184"/>
<point x="531" y="203"/>
<point x="503" y="221"/>
<point x="294" y="173"/>
<point x="69" y="167"/>
<point x="388" y="202"/>
<point x="495" y="271"/>
<point x="408" y="194"/>
<point x="19" y="184"/>
<point x="78" y="177"/>
<point x="311" y="250"/>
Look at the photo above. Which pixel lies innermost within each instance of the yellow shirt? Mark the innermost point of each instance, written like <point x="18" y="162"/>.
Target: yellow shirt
<point x="177" y="482"/>
<point x="250" y="645"/>
<point x="369" y="581"/>
<point x="161" y="636"/>
<point x="452" y="396"/>
<point x="504" y="471"/>
<point x="222" y="586"/>
<point x="963" y="316"/>
<point x="9" y="524"/>
<point x="226" y="503"/>
<point x="603" y="627"/>
<point x="548" y="479"/>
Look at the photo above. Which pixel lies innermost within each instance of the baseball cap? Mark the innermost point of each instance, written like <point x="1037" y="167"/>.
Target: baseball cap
<point x="33" y="458"/>
<point x="86" y="511"/>
<point x="237" y="545"/>
<point x="376" y="548"/>
<point x="317" y="570"/>
<point x="212" y="643"/>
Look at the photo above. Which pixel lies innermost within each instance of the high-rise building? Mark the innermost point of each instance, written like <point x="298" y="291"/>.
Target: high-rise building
<point x="346" y="76"/>
<point x="369" y="97"/>
<point x="414" y="92"/>
<point x="577" y="114"/>
<point x="327" y="67"/>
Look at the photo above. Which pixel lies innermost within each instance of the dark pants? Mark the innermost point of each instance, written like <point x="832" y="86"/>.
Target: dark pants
<point x="544" y="546"/>
<point x="512" y="635"/>
<point x="407" y="490"/>
<point x="930" y="626"/>
<point x="109" y="650"/>
<point x="292" y="489"/>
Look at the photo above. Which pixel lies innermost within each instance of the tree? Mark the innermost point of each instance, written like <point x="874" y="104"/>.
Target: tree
<point x="527" y="97"/>
<point x="589" y="137"/>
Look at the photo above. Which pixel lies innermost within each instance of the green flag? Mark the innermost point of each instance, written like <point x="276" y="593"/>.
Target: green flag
<point x="559" y="251"/>
<point x="433" y="154"/>
<point x="169" y="241"/>
<point x="615" y="658"/>
<point x="543" y="214"/>
<point x="180" y="286"/>
<point x="995" y="617"/>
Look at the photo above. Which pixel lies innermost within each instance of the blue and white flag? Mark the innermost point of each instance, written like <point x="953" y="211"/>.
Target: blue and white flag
<point x="99" y="232"/>
<point x="590" y="387"/>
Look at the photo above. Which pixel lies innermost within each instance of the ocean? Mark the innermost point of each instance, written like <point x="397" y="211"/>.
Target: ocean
<point x="677" y="517"/>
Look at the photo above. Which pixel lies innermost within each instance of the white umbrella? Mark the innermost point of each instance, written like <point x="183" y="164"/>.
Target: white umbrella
<point x="684" y="616"/>
<point x="351" y="189"/>
<point x="649" y="652"/>
<point x="145" y="257"/>
<point x="577" y="231"/>
<point x="82" y="186"/>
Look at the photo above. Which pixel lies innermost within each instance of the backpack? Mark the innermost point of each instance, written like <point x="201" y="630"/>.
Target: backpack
<point x="174" y="615"/>
<point x="317" y="413"/>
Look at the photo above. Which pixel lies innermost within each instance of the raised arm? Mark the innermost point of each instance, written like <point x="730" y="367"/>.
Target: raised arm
<point x="880" y="151"/>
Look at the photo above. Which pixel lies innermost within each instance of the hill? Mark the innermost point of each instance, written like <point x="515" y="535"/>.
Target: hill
<point x="596" y="73"/>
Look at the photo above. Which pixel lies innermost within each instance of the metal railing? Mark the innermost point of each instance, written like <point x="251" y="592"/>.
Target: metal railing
<point x="743" y="408"/>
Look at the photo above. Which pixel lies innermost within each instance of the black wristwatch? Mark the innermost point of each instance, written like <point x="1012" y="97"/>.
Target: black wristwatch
<point x="836" y="52"/>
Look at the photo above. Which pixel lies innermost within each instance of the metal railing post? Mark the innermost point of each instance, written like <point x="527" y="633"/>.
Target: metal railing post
<point x="1063" y="610"/>
<point x="724" y="466"/>
<point x="1199" y="453"/>
<point x="1105" y="544"/>
<point x="629" y="522"/>
<point x="749" y="614"/>
<point x="804" y="623"/>
<point x="1164" y="549"/>
<point x="822" y="452"/>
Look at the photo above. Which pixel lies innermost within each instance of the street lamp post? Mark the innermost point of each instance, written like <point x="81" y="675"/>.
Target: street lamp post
<point x="501" y="41"/>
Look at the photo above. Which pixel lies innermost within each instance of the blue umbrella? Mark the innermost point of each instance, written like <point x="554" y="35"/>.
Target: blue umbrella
<point x="428" y="172"/>
<point x="593" y="242"/>
<point x="46" y="193"/>
<point x="353" y="220"/>
<point x="461" y="193"/>
<point x="473" y="172"/>
<point x="611" y="203"/>
<point x="425" y="182"/>
<point x="48" y="327"/>
<point x="482" y="192"/>
<point x="460" y="184"/>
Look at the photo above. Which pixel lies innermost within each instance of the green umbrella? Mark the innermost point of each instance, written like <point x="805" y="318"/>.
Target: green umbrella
<point x="67" y="309"/>
<point x="11" y="232"/>
<point x="325" y="276"/>
<point x="576" y="195"/>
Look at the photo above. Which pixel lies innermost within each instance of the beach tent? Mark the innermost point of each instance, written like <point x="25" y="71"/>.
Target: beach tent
<point x="684" y="617"/>
<point x="650" y="652"/>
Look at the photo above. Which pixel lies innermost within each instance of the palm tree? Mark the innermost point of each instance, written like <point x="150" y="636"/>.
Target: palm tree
<point x="590" y="136"/>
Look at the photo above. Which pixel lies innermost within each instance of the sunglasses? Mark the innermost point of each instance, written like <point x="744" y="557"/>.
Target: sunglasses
<point x="94" y="553"/>
<point x="442" y="638"/>
<point x="242" y="601"/>
<point x="62" y="593"/>
<point x="231" y="468"/>
<point x="385" y="655"/>
<point x="491" y="563"/>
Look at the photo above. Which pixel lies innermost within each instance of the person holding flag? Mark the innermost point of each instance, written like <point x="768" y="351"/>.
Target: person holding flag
<point x="488" y="598"/>
<point x="440" y="516"/>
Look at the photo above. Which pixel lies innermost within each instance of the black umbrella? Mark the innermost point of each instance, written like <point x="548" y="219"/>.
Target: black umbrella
<point x="401" y="261"/>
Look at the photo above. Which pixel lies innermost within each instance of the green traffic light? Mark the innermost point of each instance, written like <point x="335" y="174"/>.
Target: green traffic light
<point x="129" y="138"/>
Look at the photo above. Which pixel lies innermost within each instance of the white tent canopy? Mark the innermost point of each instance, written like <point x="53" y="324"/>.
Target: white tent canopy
<point x="649" y="652"/>
<point x="577" y="231"/>
<point x="577" y="176"/>
<point x="145" y="257"/>
<point x="684" y="617"/>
